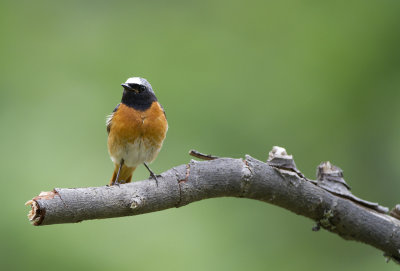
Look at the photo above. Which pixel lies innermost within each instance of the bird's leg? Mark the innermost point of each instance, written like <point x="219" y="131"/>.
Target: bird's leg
<point x="152" y="175"/>
<point x="119" y="170"/>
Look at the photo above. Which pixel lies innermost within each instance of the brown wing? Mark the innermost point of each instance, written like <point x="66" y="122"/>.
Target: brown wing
<point x="110" y="117"/>
<point x="163" y="110"/>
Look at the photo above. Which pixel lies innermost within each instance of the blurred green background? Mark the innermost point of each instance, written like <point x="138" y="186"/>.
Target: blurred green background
<point x="320" y="78"/>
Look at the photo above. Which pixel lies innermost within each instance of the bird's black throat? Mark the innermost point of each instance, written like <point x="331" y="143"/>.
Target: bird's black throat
<point x="139" y="101"/>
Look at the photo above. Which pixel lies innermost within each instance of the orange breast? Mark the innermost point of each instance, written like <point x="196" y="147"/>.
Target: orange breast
<point x="129" y="124"/>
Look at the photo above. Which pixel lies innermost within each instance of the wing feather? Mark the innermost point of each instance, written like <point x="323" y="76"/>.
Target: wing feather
<point x="109" y="119"/>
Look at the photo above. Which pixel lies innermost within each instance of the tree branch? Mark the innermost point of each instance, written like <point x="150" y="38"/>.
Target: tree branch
<point x="328" y="201"/>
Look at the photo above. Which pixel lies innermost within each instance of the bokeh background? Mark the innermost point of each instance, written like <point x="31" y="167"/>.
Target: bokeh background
<point x="320" y="78"/>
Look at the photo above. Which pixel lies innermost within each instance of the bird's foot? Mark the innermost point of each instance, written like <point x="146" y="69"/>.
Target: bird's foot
<point x="117" y="183"/>
<point x="154" y="176"/>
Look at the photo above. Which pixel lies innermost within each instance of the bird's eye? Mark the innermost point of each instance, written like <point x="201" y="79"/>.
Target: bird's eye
<point x="134" y="86"/>
<point x="137" y="87"/>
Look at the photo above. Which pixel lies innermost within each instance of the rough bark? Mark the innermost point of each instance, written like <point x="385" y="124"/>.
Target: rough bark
<point x="275" y="182"/>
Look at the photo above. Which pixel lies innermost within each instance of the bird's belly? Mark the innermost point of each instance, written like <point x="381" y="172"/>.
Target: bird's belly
<point x="140" y="151"/>
<point x="136" y="136"/>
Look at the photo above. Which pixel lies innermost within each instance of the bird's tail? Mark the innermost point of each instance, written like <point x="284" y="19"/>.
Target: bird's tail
<point x="125" y="175"/>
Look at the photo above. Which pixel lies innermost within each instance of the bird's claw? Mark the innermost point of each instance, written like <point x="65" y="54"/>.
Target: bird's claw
<point x="117" y="183"/>
<point x="154" y="176"/>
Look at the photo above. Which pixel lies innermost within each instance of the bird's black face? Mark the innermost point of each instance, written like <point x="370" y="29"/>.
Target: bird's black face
<point x="136" y="88"/>
<point x="138" y="95"/>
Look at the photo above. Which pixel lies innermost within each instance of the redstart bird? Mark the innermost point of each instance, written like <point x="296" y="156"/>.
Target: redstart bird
<point x="136" y="130"/>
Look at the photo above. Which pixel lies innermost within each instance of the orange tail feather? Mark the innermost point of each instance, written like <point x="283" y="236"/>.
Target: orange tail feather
<point x="125" y="174"/>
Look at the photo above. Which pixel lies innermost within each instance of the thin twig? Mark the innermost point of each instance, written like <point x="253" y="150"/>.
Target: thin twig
<point x="202" y="155"/>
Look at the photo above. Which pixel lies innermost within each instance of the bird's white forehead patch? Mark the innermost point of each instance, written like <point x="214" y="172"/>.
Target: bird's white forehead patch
<point x="134" y="80"/>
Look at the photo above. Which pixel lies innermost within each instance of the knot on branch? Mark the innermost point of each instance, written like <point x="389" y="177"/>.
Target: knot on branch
<point x="395" y="212"/>
<point x="137" y="202"/>
<point x="330" y="178"/>
<point x="247" y="174"/>
<point x="279" y="159"/>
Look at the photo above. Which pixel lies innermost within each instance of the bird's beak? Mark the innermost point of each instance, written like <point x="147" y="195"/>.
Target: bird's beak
<point x="126" y="86"/>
